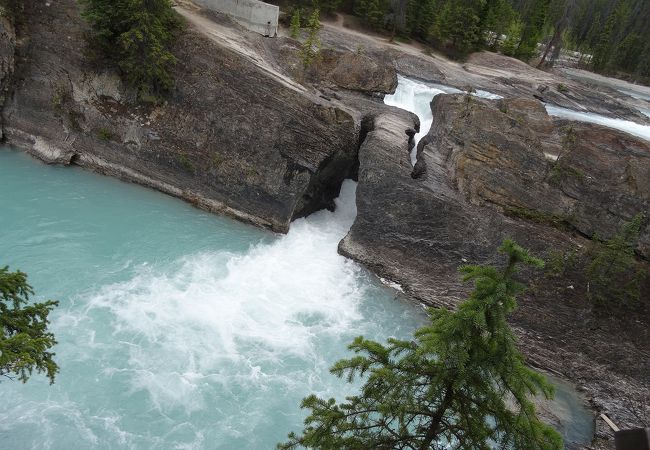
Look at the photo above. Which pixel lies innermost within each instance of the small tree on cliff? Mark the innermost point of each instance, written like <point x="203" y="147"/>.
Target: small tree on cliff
<point x="25" y="342"/>
<point x="294" y="30"/>
<point x="460" y="384"/>
<point x="614" y="275"/>
<point x="311" y="47"/>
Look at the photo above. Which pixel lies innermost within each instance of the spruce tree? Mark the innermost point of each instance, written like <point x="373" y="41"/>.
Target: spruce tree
<point x="311" y="47"/>
<point x="533" y="29"/>
<point x="628" y="54"/>
<point x="136" y="37"/>
<point x="420" y="17"/>
<point x="460" y="384"/>
<point x="513" y="37"/>
<point x="614" y="276"/>
<point x="603" y="48"/>
<point x="458" y="24"/>
<point x="327" y="6"/>
<point x="25" y="341"/>
<point x="373" y="12"/>
<point x="294" y="29"/>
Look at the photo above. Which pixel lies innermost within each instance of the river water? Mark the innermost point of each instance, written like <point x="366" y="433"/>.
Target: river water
<point x="633" y="128"/>
<point x="416" y="97"/>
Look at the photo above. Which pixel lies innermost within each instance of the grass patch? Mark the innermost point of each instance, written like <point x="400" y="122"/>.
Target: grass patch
<point x="560" y="171"/>
<point x="540" y="217"/>
<point x="104" y="134"/>
<point x="186" y="163"/>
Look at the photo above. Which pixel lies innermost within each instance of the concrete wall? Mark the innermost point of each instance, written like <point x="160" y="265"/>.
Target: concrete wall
<point x="252" y="14"/>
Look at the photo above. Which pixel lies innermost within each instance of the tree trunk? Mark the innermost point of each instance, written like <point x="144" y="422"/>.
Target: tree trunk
<point x="556" y="41"/>
<point x="433" y="430"/>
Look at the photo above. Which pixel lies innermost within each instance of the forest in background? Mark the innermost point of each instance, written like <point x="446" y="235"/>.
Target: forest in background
<point x="607" y="36"/>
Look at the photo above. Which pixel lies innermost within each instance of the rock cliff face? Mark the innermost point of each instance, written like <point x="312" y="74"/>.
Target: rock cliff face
<point x="7" y="59"/>
<point x="232" y="138"/>
<point x="415" y="225"/>
<point x="578" y="176"/>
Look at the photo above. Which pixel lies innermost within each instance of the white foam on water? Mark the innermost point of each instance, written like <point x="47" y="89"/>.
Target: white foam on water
<point x="633" y="128"/>
<point x="416" y="97"/>
<point x="233" y="325"/>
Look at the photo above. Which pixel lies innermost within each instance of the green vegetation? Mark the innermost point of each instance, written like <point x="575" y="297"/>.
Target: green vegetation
<point x="562" y="88"/>
<point x="104" y="134"/>
<point x="535" y="21"/>
<point x="25" y="341"/>
<point x="569" y="137"/>
<point x="543" y="218"/>
<point x="186" y="163"/>
<point x="558" y="262"/>
<point x="513" y="37"/>
<point x="310" y="50"/>
<point x="294" y="30"/>
<point x="562" y="171"/>
<point x="13" y="10"/>
<point x="614" y="36"/>
<point x="136" y="37"/>
<point x="614" y="275"/>
<point x="611" y="36"/>
<point x="460" y="383"/>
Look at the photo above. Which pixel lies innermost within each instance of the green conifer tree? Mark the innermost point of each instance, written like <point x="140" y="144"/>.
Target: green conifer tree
<point x="311" y="47"/>
<point x="533" y="29"/>
<point x="628" y="54"/>
<point x="603" y="48"/>
<point x="135" y="36"/>
<point x="25" y="341"/>
<point x="294" y="29"/>
<point x="459" y="24"/>
<point x="420" y="17"/>
<point x="460" y="384"/>
<point x="614" y="275"/>
<point x="513" y="38"/>
<point x="373" y="12"/>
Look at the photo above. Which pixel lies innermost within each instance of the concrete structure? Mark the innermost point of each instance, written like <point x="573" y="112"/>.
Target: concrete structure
<point x="252" y="14"/>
